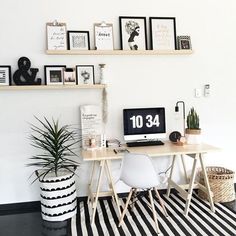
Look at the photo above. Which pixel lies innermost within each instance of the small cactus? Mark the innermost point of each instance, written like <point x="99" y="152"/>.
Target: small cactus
<point x="192" y="119"/>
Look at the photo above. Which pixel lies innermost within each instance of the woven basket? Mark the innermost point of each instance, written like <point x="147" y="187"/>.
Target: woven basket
<point x="221" y="182"/>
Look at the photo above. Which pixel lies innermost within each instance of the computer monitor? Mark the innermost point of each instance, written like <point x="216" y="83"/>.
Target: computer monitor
<point x="144" y="123"/>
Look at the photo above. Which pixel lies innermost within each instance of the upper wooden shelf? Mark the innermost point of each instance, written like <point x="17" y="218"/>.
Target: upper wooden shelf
<point x="119" y="52"/>
<point x="54" y="87"/>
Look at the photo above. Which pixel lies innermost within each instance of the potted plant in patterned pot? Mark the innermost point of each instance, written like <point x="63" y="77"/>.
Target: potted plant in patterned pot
<point x="193" y="131"/>
<point x="55" y="168"/>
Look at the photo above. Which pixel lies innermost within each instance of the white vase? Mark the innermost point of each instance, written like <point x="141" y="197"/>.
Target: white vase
<point x="102" y="74"/>
<point x="58" y="196"/>
<point x="193" y="136"/>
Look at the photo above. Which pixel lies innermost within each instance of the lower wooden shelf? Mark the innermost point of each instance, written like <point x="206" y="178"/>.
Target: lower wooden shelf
<point x="48" y="87"/>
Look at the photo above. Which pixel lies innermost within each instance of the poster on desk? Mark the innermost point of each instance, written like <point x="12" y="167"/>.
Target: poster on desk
<point x="92" y="127"/>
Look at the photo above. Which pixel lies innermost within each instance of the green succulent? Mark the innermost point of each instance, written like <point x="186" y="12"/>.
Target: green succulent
<point x="193" y="119"/>
<point x="57" y="145"/>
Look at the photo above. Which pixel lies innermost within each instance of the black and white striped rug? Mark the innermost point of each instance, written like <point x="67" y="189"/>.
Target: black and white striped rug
<point x="200" y="220"/>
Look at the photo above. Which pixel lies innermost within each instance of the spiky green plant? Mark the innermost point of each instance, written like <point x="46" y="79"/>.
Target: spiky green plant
<point x="57" y="145"/>
<point x="193" y="119"/>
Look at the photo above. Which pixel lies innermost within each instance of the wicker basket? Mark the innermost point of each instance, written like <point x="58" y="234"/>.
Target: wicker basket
<point x="221" y="182"/>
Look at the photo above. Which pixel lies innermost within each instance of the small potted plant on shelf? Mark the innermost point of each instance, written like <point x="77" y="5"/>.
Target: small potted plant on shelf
<point x="55" y="168"/>
<point x="193" y="131"/>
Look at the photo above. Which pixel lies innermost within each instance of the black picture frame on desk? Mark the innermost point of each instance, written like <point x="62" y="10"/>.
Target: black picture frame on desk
<point x="163" y="33"/>
<point x="5" y="75"/>
<point x="78" y="40"/>
<point x="133" y="33"/>
<point x="54" y="74"/>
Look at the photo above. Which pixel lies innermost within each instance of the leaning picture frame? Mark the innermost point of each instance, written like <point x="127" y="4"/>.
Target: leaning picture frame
<point x="5" y="75"/>
<point x="133" y="33"/>
<point x="184" y="42"/>
<point x="85" y="74"/>
<point x="163" y="33"/>
<point x="56" y="36"/>
<point x="54" y="74"/>
<point x="103" y="36"/>
<point x="78" y="40"/>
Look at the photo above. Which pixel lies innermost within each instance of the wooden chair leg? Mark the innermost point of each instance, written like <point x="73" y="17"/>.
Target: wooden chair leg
<point x="126" y="207"/>
<point x="161" y="202"/>
<point x="153" y="211"/>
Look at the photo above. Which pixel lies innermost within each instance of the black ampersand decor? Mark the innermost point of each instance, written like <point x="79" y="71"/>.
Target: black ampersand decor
<point x="26" y="75"/>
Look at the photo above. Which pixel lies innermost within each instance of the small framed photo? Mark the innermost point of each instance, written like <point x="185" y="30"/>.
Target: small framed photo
<point x="133" y="33"/>
<point x="103" y="36"/>
<point x="163" y="33"/>
<point x="54" y="74"/>
<point x="69" y="76"/>
<point x="78" y="40"/>
<point x="85" y="74"/>
<point x="184" y="42"/>
<point x="5" y="75"/>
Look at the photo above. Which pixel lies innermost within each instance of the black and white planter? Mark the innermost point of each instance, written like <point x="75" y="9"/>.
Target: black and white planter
<point x="58" y="196"/>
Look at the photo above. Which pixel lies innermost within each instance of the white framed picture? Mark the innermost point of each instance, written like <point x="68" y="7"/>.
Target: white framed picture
<point x="103" y="36"/>
<point x="5" y="75"/>
<point x="56" y="36"/>
<point x="69" y="76"/>
<point x="133" y="33"/>
<point x="163" y="33"/>
<point x="54" y="74"/>
<point x="78" y="40"/>
<point x="85" y="74"/>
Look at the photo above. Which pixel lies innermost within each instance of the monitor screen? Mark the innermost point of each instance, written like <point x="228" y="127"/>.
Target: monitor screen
<point x="144" y="123"/>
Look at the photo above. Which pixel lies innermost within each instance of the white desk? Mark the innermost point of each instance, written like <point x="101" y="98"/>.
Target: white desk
<point x="103" y="157"/>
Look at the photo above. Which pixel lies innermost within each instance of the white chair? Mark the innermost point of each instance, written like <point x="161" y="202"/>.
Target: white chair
<point x="137" y="171"/>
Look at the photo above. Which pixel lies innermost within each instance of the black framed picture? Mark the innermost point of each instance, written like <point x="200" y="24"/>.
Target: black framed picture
<point x="54" y="74"/>
<point x="133" y="33"/>
<point x="5" y="75"/>
<point x="78" y="40"/>
<point x="85" y="74"/>
<point x="184" y="42"/>
<point x="163" y="33"/>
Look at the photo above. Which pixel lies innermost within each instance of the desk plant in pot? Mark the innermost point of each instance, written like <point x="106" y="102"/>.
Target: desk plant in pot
<point x="193" y="131"/>
<point x="55" y="168"/>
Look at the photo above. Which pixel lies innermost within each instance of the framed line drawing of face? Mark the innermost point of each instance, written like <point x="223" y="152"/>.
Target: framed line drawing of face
<point x="5" y="75"/>
<point x="54" y="74"/>
<point x="163" y="33"/>
<point x="78" y="40"/>
<point x="85" y="74"/>
<point x="133" y="33"/>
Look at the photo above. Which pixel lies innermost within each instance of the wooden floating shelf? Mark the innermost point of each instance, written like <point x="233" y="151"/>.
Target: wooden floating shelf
<point x="119" y="52"/>
<point x="54" y="87"/>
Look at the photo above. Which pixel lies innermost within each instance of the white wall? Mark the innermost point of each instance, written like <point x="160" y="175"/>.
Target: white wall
<point x="132" y="80"/>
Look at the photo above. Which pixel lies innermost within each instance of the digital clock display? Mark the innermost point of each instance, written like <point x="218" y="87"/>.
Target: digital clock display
<point x="144" y="120"/>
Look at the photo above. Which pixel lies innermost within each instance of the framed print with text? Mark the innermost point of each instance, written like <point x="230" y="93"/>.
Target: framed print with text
<point x="133" y="33"/>
<point x="163" y="33"/>
<point x="85" y="74"/>
<point x="54" y="74"/>
<point x="103" y="36"/>
<point x="78" y="40"/>
<point x="5" y="75"/>
<point x="56" y="36"/>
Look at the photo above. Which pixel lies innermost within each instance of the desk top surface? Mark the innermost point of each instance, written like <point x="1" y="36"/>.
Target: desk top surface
<point x="167" y="149"/>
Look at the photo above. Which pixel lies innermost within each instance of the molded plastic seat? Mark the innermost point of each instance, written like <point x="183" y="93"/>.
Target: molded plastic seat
<point x="137" y="171"/>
